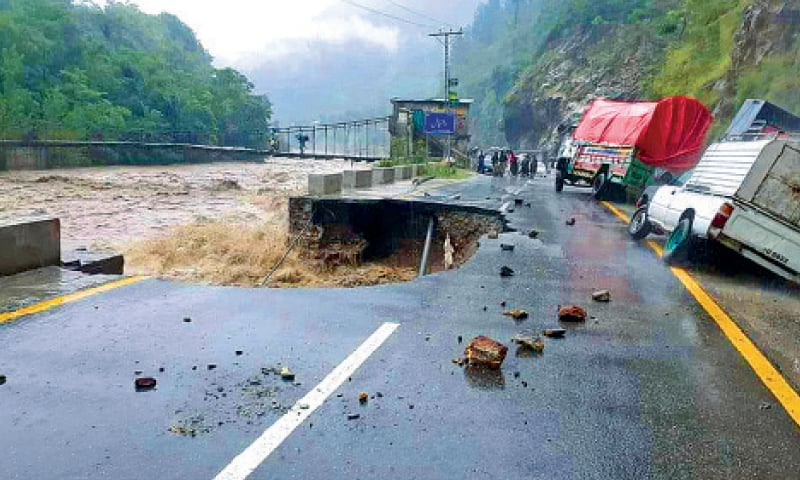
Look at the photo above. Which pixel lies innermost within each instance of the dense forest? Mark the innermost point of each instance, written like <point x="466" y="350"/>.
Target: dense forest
<point x="73" y="70"/>
<point x="531" y="64"/>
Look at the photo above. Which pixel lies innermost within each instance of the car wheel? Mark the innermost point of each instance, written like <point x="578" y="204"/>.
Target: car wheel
<point x="640" y="226"/>
<point x="559" y="180"/>
<point x="599" y="185"/>
<point x="678" y="244"/>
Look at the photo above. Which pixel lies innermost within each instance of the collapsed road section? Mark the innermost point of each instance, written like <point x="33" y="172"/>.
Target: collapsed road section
<point x="413" y="235"/>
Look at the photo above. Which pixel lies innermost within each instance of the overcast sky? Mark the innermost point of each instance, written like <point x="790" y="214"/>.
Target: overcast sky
<point x="244" y="33"/>
<point x="325" y="58"/>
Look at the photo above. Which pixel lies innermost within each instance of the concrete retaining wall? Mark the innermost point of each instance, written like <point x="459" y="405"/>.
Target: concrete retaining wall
<point x="417" y="170"/>
<point x="325" y="184"/>
<point x="402" y="172"/>
<point x="382" y="176"/>
<point x="357" y="179"/>
<point x="27" y="246"/>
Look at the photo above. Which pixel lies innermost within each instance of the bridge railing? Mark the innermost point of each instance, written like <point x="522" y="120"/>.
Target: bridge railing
<point x="366" y="139"/>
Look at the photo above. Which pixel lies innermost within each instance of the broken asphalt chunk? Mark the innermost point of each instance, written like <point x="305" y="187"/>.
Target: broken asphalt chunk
<point x="143" y="384"/>
<point x="286" y="373"/>
<point x="533" y="233"/>
<point x="353" y="416"/>
<point x="518" y="201"/>
<point x="506" y="272"/>
<point x="516" y="314"/>
<point x="554" y="332"/>
<point x="571" y="221"/>
<point x="187" y="320"/>
<point x="506" y="247"/>
<point x="572" y="313"/>
<point x="529" y="341"/>
<point x="3" y="379"/>
<point x="601" y="296"/>
<point x="485" y="351"/>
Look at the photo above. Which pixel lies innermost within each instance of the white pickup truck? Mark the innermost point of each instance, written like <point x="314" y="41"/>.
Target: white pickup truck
<point x="744" y="194"/>
<point x="761" y="220"/>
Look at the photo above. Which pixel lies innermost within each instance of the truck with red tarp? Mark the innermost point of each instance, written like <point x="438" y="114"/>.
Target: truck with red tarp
<point x="621" y="144"/>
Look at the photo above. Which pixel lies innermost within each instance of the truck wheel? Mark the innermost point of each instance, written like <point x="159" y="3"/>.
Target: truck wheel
<point x="679" y="242"/>
<point x="559" y="180"/>
<point x="640" y="226"/>
<point x="599" y="186"/>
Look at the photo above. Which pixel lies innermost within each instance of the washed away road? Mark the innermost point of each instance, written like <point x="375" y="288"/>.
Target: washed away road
<point x="648" y="387"/>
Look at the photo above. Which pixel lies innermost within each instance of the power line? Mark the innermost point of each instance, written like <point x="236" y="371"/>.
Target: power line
<point x="387" y="15"/>
<point x="419" y="14"/>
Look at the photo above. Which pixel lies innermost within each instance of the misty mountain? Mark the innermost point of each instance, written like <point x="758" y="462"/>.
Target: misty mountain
<point x="317" y="80"/>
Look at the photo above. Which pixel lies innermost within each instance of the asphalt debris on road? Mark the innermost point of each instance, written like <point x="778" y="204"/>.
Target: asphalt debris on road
<point x="571" y="221"/>
<point x="516" y="314"/>
<point x="554" y="332"/>
<point x="506" y="247"/>
<point x="506" y="271"/>
<point x="572" y="313"/>
<point x="533" y="233"/>
<point x="143" y="384"/>
<point x="601" y="296"/>
<point x="3" y="379"/>
<point x="484" y="351"/>
<point x="353" y="416"/>
<point x="534" y="343"/>
<point x="287" y="373"/>
<point x="239" y="353"/>
<point x="211" y="366"/>
<point x="363" y="397"/>
<point x="187" y="320"/>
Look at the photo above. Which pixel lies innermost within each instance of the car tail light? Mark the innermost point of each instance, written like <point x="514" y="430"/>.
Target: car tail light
<point x="722" y="216"/>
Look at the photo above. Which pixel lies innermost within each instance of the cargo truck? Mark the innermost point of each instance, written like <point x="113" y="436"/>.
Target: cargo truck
<point x="625" y="144"/>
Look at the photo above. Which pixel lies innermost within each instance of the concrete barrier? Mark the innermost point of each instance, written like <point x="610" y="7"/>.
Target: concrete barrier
<point x="324" y="184"/>
<point x="382" y="176"/>
<point x="356" y="179"/>
<point x="402" y="172"/>
<point x="417" y="170"/>
<point x="31" y="245"/>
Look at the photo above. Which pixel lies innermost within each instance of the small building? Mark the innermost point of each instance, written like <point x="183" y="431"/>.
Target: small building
<point x="420" y="127"/>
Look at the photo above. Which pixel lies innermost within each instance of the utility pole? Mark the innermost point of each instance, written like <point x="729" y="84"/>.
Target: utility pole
<point x="446" y="35"/>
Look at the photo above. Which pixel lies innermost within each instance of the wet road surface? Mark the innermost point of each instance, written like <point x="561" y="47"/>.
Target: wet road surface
<point x="648" y="387"/>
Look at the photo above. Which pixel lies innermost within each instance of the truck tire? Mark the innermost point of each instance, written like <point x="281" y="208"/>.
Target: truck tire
<point x="676" y="250"/>
<point x="599" y="185"/>
<point x="559" y="180"/>
<point x="640" y="226"/>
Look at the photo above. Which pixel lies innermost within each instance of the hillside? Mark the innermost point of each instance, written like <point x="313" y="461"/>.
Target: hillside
<point x="549" y="58"/>
<point x="77" y="71"/>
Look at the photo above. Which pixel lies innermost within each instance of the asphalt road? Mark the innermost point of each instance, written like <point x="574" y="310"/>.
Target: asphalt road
<point x="648" y="387"/>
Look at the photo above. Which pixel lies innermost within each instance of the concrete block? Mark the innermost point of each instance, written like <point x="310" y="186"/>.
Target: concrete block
<point x="356" y="179"/>
<point x="382" y="176"/>
<point x="95" y="263"/>
<point x="26" y="246"/>
<point x="324" y="184"/>
<point x="402" y="172"/>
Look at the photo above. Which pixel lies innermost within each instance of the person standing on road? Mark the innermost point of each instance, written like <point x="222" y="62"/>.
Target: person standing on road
<point x="481" y="162"/>
<point x="513" y="163"/>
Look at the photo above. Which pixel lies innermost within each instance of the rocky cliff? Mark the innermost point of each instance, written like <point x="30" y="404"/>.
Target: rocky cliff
<point x="720" y="51"/>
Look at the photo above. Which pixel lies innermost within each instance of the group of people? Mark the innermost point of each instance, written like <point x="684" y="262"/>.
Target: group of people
<point x="507" y="161"/>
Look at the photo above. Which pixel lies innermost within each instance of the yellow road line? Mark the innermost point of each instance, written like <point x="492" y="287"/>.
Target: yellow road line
<point x="72" y="297"/>
<point x="769" y="375"/>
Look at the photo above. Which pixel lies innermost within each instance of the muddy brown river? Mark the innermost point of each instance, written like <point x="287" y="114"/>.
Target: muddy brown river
<point x="110" y="207"/>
